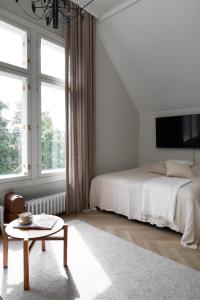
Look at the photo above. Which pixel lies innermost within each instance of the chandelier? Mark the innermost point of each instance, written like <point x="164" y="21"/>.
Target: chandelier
<point x="50" y="10"/>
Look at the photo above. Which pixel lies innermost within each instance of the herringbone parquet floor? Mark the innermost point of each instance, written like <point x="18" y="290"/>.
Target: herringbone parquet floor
<point x="164" y="242"/>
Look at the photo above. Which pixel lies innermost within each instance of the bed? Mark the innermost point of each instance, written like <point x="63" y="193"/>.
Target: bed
<point x="123" y="193"/>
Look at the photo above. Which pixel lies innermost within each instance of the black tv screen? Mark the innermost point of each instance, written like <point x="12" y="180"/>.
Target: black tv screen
<point x="178" y="132"/>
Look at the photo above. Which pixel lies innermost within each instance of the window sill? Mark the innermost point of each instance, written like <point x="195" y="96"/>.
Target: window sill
<point x="52" y="172"/>
<point x="31" y="182"/>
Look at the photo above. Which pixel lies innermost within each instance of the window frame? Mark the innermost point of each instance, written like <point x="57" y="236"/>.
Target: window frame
<point x="33" y="75"/>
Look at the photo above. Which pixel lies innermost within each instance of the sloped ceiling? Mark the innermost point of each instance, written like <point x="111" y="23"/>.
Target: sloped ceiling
<point x="155" y="47"/>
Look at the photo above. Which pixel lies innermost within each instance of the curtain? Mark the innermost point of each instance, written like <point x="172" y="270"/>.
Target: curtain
<point x="80" y="110"/>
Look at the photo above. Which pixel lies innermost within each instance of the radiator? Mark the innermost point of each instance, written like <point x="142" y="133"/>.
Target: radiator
<point x="1" y="217"/>
<point x="53" y="204"/>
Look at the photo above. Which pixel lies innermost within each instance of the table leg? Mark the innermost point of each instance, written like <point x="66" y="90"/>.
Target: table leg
<point x="26" y="264"/>
<point x="65" y="229"/>
<point x="43" y="245"/>
<point x="5" y="247"/>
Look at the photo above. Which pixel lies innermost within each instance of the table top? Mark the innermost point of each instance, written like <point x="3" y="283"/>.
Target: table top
<point x="19" y="233"/>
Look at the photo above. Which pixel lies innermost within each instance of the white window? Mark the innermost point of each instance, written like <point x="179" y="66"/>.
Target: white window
<point x="52" y="108"/>
<point x="52" y="59"/>
<point x="52" y="127"/>
<point x="13" y="49"/>
<point x="32" y="104"/>
<point x="14" y="160"/>
<point x="13" y="126"/>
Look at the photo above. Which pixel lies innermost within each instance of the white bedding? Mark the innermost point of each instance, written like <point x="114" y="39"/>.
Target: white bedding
<point x="122" y="192"/>
<point x="159" y="196"/>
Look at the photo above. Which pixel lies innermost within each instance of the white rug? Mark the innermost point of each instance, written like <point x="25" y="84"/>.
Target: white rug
<point x="101" y="266"/>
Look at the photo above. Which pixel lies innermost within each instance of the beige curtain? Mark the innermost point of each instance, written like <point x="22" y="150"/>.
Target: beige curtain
<point x="80" y="50"/>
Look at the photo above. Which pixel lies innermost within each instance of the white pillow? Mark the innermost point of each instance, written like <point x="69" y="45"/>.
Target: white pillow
<point x="189" y="163"/>
<point x="158" y="168"/>
<point x="174" y="169"/>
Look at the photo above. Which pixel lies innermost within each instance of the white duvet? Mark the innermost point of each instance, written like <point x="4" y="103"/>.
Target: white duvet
<point x="159" y="196"/>
<point x="123" y="193"/>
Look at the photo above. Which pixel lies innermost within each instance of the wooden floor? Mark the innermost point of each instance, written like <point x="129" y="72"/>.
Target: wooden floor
<point x="164" y="242"/>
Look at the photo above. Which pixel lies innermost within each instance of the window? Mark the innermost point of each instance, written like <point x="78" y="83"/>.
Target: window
<point x="52" y="59"/>
<point x="52" y="95"/>
<point x="14" y="80"/>
<point x="13" y="38"/>
<point x="13" y="125"/>
<point x="32" y="116"/>
<point x="52" y="127"/>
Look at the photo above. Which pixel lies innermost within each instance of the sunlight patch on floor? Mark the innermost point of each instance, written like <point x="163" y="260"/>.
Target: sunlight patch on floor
<point x="85" y="268"/>
<point x="15" y="260"/>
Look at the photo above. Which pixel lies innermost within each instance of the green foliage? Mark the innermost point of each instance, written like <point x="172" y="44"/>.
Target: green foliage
<point x="10" y="144"/>
<point x="53" y="145"/>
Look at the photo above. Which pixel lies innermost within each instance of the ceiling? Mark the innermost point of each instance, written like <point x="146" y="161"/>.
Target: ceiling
<point x="101" y="7"/>
<point x="155" y="47"/>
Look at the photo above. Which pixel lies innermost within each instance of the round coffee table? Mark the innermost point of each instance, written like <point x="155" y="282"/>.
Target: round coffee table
<point x="12" y="233"/>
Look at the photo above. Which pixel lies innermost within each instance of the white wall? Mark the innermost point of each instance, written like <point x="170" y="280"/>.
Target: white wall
<point x="117" y="120"/>
<point x="155" y="46"/>
<point x="149" y="152"/>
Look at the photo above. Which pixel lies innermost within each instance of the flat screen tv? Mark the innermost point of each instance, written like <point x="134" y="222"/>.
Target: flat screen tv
<point x="178" y="132"/>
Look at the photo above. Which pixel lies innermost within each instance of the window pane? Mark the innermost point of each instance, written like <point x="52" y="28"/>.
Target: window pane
<point x="52" y="59"/>
<point x="13" y="49"/>
<point x="52" y="127"/>
<point x="13" y="135"/>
